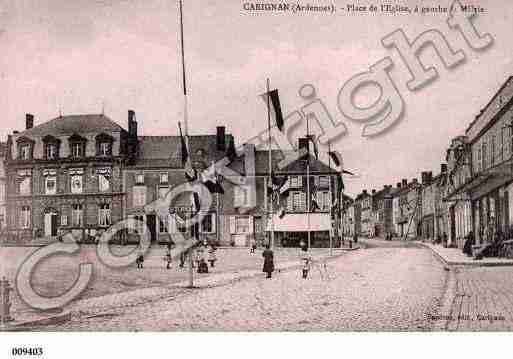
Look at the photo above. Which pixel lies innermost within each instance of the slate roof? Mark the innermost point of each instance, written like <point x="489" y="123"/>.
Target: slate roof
<point x="166" y="151"/>
<point x="69" y="124"/>
<point x="298" y="166"/>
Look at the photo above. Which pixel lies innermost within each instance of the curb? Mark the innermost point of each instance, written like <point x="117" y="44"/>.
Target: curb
<point x="469" y="264"/>
<point x="40" y="322"/>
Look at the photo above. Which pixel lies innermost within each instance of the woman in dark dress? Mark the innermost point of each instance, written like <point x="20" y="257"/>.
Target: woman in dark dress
<point x="268" y="261"/>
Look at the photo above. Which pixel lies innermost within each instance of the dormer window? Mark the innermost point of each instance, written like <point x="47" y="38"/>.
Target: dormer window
<point x="105" y="149"/>
<point x="51" y="147"/>
<point x="25" y="148"/>
<point x="77" y="146"/>
<point x="25" y="152"/>
<point x="104" y="145"/>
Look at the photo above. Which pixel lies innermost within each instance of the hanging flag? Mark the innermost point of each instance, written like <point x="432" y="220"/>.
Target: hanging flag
<point x="314" y="202"/>
<point x="340" y="185"/>
<point x="311" y="138"/>
<point x="184" y="150"/>
<point x="231" y="153"/>
<point x="276" y="109"/>
<point x="281" y="212"/>
<point x="285" y="187"/>
<point x="211" y="180"/>
<point x="336" y="157"/>
<point x="196" y="204"/>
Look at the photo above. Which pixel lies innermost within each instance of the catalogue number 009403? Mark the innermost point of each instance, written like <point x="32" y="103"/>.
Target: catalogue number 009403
<point x="27" y="351"/>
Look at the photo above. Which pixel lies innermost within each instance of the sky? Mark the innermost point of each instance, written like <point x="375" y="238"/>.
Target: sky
<point x="85" y="56"/>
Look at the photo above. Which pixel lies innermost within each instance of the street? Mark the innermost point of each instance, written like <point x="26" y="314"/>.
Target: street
<point x="379" y="288"/>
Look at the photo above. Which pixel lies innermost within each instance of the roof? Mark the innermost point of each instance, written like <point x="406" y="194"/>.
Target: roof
<point x="296" y="166"/>
<point x="70" y="124"/>
<point x="156" y="151"/>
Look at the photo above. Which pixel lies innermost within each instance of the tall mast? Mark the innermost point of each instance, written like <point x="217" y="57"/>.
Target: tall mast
<point x="186" y="129"/>
<point x="271" y="212"/>
<point x="308" y="181"/>
<point x="332" y="231"/>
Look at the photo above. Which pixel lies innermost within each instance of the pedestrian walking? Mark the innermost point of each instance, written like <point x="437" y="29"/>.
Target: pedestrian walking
<point x="182" y="259"/>
<point x="253" y="247"/>
<point x="140" y="259"/>
<point x="307" y="262"/>
<point x="212" y="255"/>
<point x="168" y="259"/>
<point x="469" y="242"/>
<point x="268" y="261"/>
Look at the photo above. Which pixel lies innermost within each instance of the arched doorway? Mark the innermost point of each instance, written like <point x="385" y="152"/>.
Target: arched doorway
<point x="50" y="222"/>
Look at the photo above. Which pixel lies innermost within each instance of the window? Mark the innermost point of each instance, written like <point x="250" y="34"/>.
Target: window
<point x="50" y="185"/>
<point x="51" y="152"/>
<point x="139" y="224"/>
<point x="103" y="183"/>
<point x="164" y="178"/>
<point x="483" y="156"/>
<point x="479" y="163"/>
<point x="76" y="183"/>
<point x="25" y="152"/>
<point x="324" y="181"/>
<point x="296" y="181"/>
<point x="25" y="217"/>
<point x="298" y="201"/>
<point x="207" y="224"/>
<point x="77" y="213"/>
<point x="105" y="149"/>
<point x="241" y="196"/>
<point x="104" y="215"/>
<point x="78" y="149"/>
<point x="163" y="191"/>
<point x="242" y="224"/>
<point x="492" y="150"/>
<point x="163" y="225"/>
<point x="139" y="179"/>
<point x="24" y="187"/>
<point x="139" y="196"/>
<point x="324" y="199"/>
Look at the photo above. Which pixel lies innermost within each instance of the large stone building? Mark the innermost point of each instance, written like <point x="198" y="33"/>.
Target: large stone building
<point x="64" y="176"/>
<point x="80" y="174"/>
<point x="3" y="193"/>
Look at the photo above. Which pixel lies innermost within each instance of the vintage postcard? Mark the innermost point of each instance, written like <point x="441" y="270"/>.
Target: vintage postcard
<point x="238" y="166"/>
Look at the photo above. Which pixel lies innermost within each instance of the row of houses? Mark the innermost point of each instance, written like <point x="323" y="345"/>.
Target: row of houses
<point x="80" y="174"/>
<point x="473" y="190"/>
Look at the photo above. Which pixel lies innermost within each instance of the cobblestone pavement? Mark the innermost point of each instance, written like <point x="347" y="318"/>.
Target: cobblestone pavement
<point x="482" y="299"/>
<point x="372" y="289"/>
<point x="57" y="273"/>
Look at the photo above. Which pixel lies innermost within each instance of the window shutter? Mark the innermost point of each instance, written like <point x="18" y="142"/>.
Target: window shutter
<point x="250" y="224"/>
<point x="299" y="181"/>
<point x="316" y="181"/>
<point x="289" y="202"/>
<point x="64" y="220"/>
<point x="213" y="217"/>
<point x="171" y="224"/>
<point x="303" y="201"/>
<point x="232" y="224"/>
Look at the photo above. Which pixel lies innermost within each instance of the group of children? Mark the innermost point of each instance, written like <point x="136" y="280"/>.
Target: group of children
<point x="200" y="258"/>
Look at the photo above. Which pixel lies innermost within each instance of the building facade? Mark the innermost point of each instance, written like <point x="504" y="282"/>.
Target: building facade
<point x="63" y="176"/>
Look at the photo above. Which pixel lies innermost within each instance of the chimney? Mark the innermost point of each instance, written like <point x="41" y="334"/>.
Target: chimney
<point x="29" y="121"/>
<point x="220" y="138"/>
<point x="405" y="182"/>
<point x="373" y="191"/>
<point x="132" y="124"/>
<point x="425" y="177"/>
<point x="443" y="168"/>
<point x="303" y="143"/>
<point x="398" y="185"/>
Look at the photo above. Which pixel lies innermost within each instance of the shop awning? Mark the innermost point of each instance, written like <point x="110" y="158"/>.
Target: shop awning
<point x="298" y="222"/>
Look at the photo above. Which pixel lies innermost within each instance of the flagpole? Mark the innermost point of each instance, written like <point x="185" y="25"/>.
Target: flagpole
<point x="186" y="129"/>
<point x="331" y="201"/>
<point x="271" y="244"/>
<point x="308" y="182"/>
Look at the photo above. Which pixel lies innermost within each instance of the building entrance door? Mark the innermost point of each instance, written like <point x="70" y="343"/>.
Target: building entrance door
<point x="50" y="224"/>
